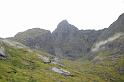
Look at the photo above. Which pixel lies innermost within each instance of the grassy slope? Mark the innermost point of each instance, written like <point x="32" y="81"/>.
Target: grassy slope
<point x="24" y="66"/>
<point x="104" y="70"/>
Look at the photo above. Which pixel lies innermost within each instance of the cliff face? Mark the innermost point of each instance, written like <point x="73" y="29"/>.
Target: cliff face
<point x="35" y="38"/>
<point x="67" y="40"/>
<point x="115" y="27"/>
<point x="19" y="63"/>
<point x="100" y="55"/>
<point x="111" y="34"/>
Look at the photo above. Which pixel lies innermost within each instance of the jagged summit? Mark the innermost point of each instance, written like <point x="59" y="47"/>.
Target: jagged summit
<point x="121" y="17"/>
<point x="115" y="27"/>
<point x="67" y="40"/>
<point x="64" y="22"/>
<point x="98" y="55"/>
<point x="64" y="25"/>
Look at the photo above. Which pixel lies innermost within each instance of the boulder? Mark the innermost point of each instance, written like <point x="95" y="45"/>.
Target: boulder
<point x="61" y="71"/>
<point x="121" y="70"/>
<point x="44" y="59"/>
<point x="2" y="53"/>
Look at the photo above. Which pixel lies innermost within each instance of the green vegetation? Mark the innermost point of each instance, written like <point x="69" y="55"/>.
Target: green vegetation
<point x="101" y="69"/>
<point x="24" y="66"/>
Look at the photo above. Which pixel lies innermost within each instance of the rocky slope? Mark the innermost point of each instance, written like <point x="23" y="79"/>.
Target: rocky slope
<point x="110" y="34"/>
<point x="71" y="42"/>
<point x="115" y="27"/>
<point x="100" y="55"/>
<point x="19" y="63"/>
<point x="35" y="38"/>
<point x="67" y="40"/>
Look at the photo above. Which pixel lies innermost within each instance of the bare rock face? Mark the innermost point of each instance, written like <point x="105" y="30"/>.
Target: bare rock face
<point x="2" y="53"/>
<point x="45" y="59"/>
<point x="112" y="37"/>
<point x="115" y="27"/>
<point x="66" y="40"/>
<point x="71" y="42"/>
<point x="35" y="38"/>
<point x="64" y="32"/>
<point x="61" y="71"/>
<point x="121" y="70"/>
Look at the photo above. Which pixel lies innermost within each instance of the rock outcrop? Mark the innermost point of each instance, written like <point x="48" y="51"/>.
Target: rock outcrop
<point x="61" y="71"/>
<point x="44" y="58"/>
<point x="35" y="38"/>
<point x="2" y="53"/>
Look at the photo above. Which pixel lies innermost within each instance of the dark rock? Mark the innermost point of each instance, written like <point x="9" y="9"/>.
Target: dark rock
<point x="121" y="70"/>
<point x="2" y="53"/>
<point x="71" y="42"/>
<point x="35" y="38"/>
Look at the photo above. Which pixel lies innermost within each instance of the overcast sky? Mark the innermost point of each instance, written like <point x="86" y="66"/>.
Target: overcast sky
<point x="20" y="15"/>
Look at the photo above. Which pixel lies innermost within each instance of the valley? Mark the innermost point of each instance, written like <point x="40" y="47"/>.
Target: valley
<point x="65" y="55"/>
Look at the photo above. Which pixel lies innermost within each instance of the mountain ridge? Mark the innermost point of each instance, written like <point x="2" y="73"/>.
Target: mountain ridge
<point x="37" y="55"/>
<point x="67" y="40"/>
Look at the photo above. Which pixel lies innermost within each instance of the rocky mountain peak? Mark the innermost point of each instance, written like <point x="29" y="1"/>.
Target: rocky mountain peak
<point x="63" y="30"/>
<point x="67" y="40"/>
<point x="31" y="33"/>
<point x="35" y="30"/>
<point x="64" y="22"/>
<point x="121" y="17"/>
<point x="115" y="27"/>
<point x="65" y="26"/>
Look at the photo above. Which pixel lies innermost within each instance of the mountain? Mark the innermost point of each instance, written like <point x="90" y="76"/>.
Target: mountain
<point x="65" y="55"/>
<point x="115" y="27"/>
<point x="67" y="41"/>
<point x="35" y="38"/>
<point x="113" y="32"/>
<point x="19" y="63"/>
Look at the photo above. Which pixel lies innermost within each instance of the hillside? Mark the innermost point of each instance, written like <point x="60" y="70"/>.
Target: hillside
<point x="35" y="38"/>
<point x="20" y="64"/>
<point x="115" y="27"/>
<point x="65" y="55"/>
<point x="66" y="40"/>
